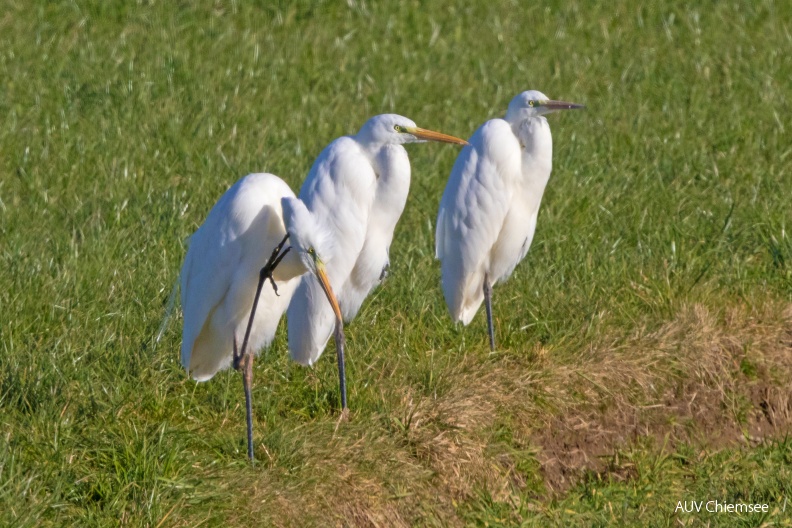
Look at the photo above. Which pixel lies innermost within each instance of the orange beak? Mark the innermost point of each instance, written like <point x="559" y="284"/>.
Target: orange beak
<point x="431" y="135"/>
<point x="325" y="283"/>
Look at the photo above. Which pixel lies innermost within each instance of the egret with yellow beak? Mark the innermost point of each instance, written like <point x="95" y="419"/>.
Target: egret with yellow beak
<point x="339" y="234"/>
<point x="239" y="247"/>
<point x="357" y="188"/>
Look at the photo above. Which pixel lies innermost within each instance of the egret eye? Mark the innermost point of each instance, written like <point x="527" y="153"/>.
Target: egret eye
<point x="399" y="128"/>
<point x="530" y="104"/>
<point x="311" y="251"/>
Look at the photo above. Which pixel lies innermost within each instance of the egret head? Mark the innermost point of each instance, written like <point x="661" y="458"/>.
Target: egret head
<point x="393" y="129"/>
<point x="534" y="103"/>
<point x="311" y="241"/>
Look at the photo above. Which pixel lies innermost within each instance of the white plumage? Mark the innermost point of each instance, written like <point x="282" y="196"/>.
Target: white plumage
<point x="357" y="188"/>
<point x="221" y="270"/>
<point x="229" y="258"/>
<point x="489" y="208"/>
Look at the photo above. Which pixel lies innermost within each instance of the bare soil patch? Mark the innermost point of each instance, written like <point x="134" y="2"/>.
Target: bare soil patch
<point x="730" y="384"/>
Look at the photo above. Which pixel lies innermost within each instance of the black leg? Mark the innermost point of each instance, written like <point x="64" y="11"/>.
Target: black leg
<point x="340" y="342"/>
<point x="488" y="303"/>
<point x="264" y="274"/>
<point x="243" y="355"/>
<point x="339" y="337"/>
<point x="246" y="364"/>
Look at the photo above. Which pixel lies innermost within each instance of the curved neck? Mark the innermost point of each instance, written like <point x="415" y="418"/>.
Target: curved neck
<point x="530" y="130"/>
<point x="392" y="167"/>
<point x="370" y="145"/>
<point x="537" y="156"/>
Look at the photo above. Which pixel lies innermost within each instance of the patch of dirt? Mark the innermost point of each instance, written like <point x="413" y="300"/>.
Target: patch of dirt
<point x="572" y="445"/>
<point x="712" y="402"/>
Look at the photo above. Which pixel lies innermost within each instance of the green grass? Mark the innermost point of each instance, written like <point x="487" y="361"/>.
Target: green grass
<point x="124" y="122"/>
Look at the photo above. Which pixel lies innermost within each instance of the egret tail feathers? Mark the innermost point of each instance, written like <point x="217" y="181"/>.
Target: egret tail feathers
<point x="468" y="310"/>
<point x="211" y="352"/>
<point x="464" y="297"/>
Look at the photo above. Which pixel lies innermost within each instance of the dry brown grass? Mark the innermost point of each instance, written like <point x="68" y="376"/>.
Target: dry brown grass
<point x="711" y="377"/>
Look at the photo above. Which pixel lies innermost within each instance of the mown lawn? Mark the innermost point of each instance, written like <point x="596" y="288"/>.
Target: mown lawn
<point x="645" y="344"/>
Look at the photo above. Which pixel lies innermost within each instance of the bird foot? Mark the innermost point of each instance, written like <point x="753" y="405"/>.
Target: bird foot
<point x="266" y="275"/>
<point x="275" y="258"/>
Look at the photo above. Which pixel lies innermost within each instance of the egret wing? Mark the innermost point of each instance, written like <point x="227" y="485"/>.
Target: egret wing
<point x="339" y="191"/>
<point x="472" y="211"/>
<point x="220" y="272"/>
<point x="207" y="273"/>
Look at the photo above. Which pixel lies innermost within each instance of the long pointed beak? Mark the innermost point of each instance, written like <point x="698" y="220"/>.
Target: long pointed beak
<point x="431" y="135"/>
<point x="321" y="274"/>
<point x="340" y="341"/>
<point x="561" y="105"/>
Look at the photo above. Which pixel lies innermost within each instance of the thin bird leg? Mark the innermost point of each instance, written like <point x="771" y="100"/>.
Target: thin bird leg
<point x="264" y="274"/>
<point x="488" y="304"/>
<point x="247" y="380"/>
<point x="340" y="341"/>
<point x="243" y="354"/>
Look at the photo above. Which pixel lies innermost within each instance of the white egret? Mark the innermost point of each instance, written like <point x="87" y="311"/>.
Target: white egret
<point x="357" y="188"/>
<point x="488" y="212"/>
<point x="227" y="256"/>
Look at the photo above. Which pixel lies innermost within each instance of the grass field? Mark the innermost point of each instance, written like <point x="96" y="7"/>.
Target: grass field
<point x="645" y="350"/>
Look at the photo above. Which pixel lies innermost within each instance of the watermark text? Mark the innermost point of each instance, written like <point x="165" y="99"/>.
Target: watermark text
<point x="716" y="506"/>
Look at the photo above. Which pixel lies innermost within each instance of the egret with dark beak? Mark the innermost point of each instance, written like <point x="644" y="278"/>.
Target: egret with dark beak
<point x="488" y="212"/>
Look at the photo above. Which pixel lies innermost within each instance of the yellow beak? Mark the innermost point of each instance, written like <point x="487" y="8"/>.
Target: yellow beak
<point x="321" y="274"/>
<point x="431" y="135"/>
